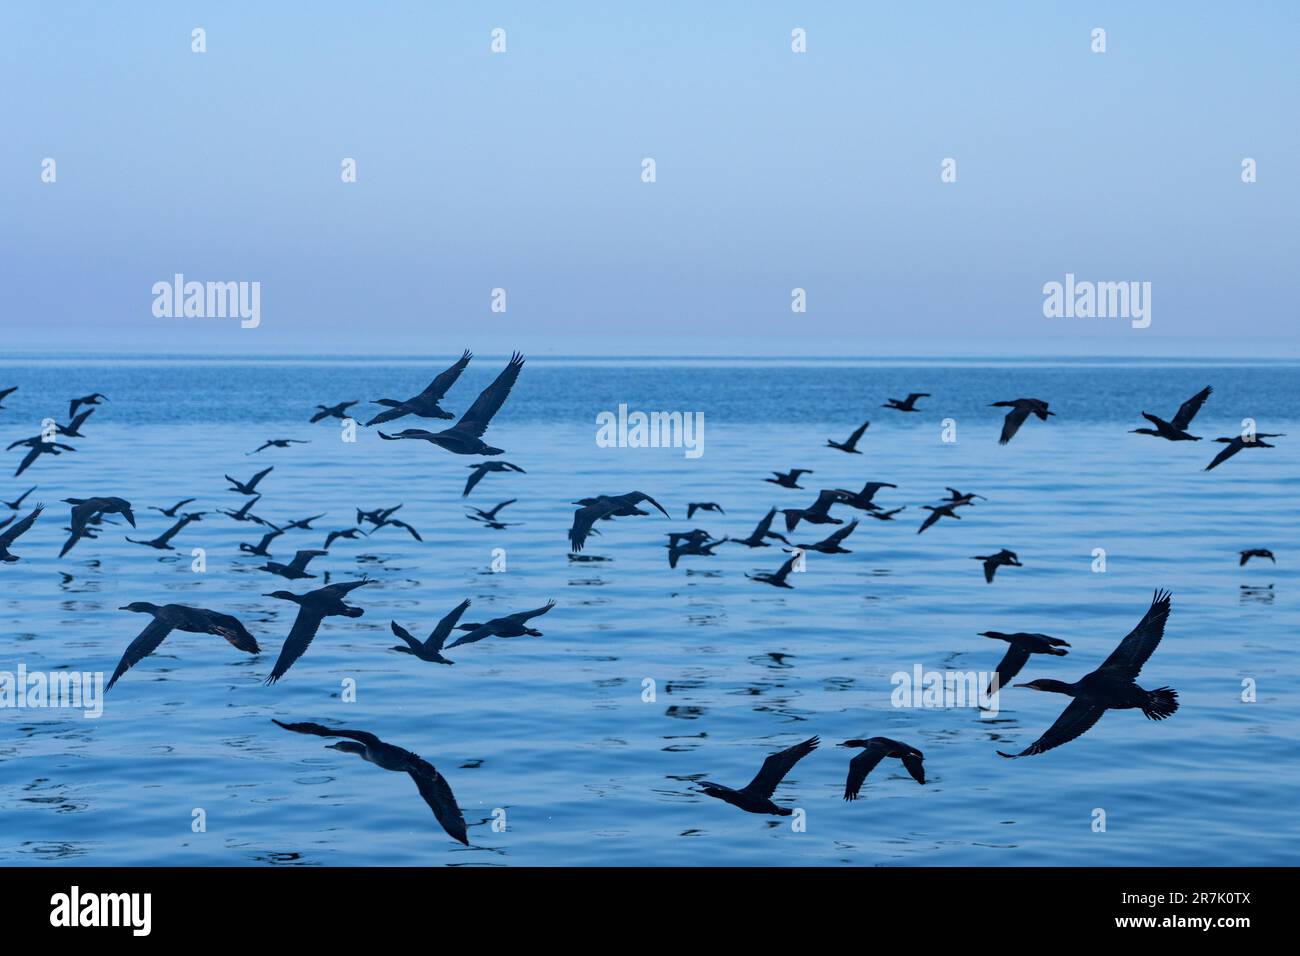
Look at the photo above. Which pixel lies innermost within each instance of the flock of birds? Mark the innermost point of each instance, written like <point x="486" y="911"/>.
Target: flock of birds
<point x="1112" y="686"/>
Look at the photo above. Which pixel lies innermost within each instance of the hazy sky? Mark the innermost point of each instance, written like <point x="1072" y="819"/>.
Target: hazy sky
<point x="775" y="170"/>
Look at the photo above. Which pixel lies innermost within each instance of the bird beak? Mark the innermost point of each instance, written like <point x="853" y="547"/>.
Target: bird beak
<point x="123" y="608"/>
<point x="1030" y="686"/>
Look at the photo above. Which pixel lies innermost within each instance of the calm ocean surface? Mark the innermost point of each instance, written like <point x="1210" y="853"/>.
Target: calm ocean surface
<point x="554" y="730"/>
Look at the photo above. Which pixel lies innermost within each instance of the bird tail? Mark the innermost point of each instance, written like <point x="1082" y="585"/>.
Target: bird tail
<point x="1161" y="703"/>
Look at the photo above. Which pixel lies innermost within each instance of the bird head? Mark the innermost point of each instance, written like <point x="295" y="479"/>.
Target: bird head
<point x="853" y="743"/>
<point x="140" y="607"/>
<point x="282" y="595"/>
<point x="1044" y="684"/>
<point x="997" y="635"/>
<point x="347" y="746"/>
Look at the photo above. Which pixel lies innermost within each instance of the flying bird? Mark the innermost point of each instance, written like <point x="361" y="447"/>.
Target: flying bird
<point x="482" y="468"/>
<point x="850" y="446"/>
<point x="278" y="443"/>
<point x="1176" y="430"/>
<point x="512" y="625"/>
<point x="818" y="512"/>
<point x="695" y="506"/>
<point x="906" y="405"/>
<point x="424" y="405"/>
<point x="350" y="533"/>
<point x="15" y="531"/>
<point x="18" y="502"/>
<point x="339" y="411"/>
<point x="757" y="537"/>
<point x="163" y="541"/>
<point x="260" y="548"/>
<point x="73" y="428"/>
<point x="295" y="569"/>
<point x="789" y="479"/>
<point x="179" y="617"/>
<point x="777" y="579"/>
<point x="247" y="487"/>
<point x="171" y="512"/>
<point x="466" y="436"/>
<point x="606" y="506"/>
<point x="94" y="398"/>
<point x="1112" y="686"/>
<point x="695" y="547"/>
<point x="756" y="796"/>
<point x="831" y="545"/>
<point x="994" y="561"/>
<point x="948" y="510"/>
<point x="313" y="608"/>
<point x="1017" y="655"/>
<point x="87" y="511"/>
<point x="862" y="500"/>
<point x="1256" y="553"/>
<point x="431" y="649"/>
<point x="39" y="446"/>
<point x="1237" y="444"/>
<point x="1021" y="409"/>
<point x="245" y="514"/>
<point x="876" y="749"/>
<point x="6" y="392"/>
<point x="478" y="514"/>
<point x="432" y="785"/>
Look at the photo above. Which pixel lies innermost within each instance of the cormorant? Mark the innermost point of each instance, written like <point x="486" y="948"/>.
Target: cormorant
<point x="862" y="500"/>
<point x="339" y="411"/>
<point x="777" y="579"/>
<point x="6" y="392"/>
<point x="15" y="531"/>
<point x="432" y="785"/>
<point x="350" y="533"/>
<point x="478" y="514"/>
<point x="906" y="404"/>
<point x="876" y="749"/>
<point x="512" y="625"/>
<point x="1177" y="429"/>
<point x="482" y="468"/>
<point x="278" y="443"/>
<point x="960" y="498"/>
<point x="1256" y="553"/>
<point x="87" y="511"/>
<point x="885" y="515"/>
<point x="94" y="398"/>
<point x="295" y="569"/>
<point x="466" y="436"/>
<point x="73" y="428"/>
<point x="756" y="796"/>
<point x="173" y="617"/>
<point x="171" y="512"/>
<point x="695" y="506"/>
<point x="1112" y="686"/>
<point x="313" y="607"/>
<point x="695" y="547"/>
<point x="605" y="506"/>
<point x="994" y="561"/>
<point x="302" y="524"/>
<point x="430" y="650"/>
<point x="850" y="446"/>
<point x="789" y="479"/>
<point x="831" y="545"/>
<point x="424" y="405"/>
<point x="763" y="531"/>
<point x="1238" y="443"/>
<point x="163" y="541"/>
<point x="947" y="510"/>
<point x="260" y="549"/>
<point x="38" y="447"/>
<point x="243" y="514"/>
<point x="817" y="513"/>
<point x="18" y="502"/>
<point x="1021" y="409"/>
<point x="247" y="487"/>
<point x="1022" y="645"/>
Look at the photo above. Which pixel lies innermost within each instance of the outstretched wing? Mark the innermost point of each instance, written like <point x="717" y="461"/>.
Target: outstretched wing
<point x="1015" y="418"/>
<point x="145" y="644"/>
<point x="765" y="525"/>
<point x="1187" y="411"/>
<point x="636" y="497"/>
<point x="475" y="477"/>
<point x="17" y="530"/>
<point x="437" y="794"/>
<point x="440" y="633"/>
<point x="839" y="536"/>
<point x="1010" y="665"/>
<point x="853" y="439"/>
<point x="320" y="730"/>
<point x="860" y="766"/>
<point x="1231" y="447"/>
<point x="1133" y="651"/>
<point x="1074" y="721"/>
<point x="583" y="519"/>
<point x="445" y="380"/>
<point x="522" y="616"/>
<point x="776" y="766"/>
<point x="912" y="763"/>
<point x="475" y="421"/>
<point x="405" y="635"/>
<point x="305" y="626"/>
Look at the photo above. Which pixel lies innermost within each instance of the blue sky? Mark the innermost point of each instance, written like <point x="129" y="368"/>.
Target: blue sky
<point x="775" y="171"/>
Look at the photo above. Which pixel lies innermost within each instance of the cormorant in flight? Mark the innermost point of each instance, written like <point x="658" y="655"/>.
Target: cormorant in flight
<point x="424" y="405"/>
<point x="18" y="502"/>
<point x="278" y="443"/>
<point x="1021" y="409"/>
<point x="172" y="617"/>
<point x="247" y="487"/>
<point x="756" y="796"/>
<point x="431" y="650"/>
<point x="339" y="411"/>
<point x="695" y="506"/>
<point x="313" y="607"/>
<point x="777" y="579"/>
<point x="86" y="511"/>
<point x="171" y="512"/>
<point x="16" y="530"/>
<point x="818" y="512"/>
<point x="1237" y="443"/>
<point x="482" y="468"/>
<point x="94" y="398"/>
<point x="789" y="479"/>
<point x="39" y="446"/>
<point x="876" y="749"/>
<point x="163" y="541"/>
<point x="606" y="506"/>
<point x="994" y="561"/>
<point x="757" y="537"/>
<point x="906" y="405"/>
<point x="1022" y="645"/>
<point x="851" y="445"/>
<point x="466" y="436"/>
<point x="831" y="545"/>
<point x="295" y="569"/>
<point x="512" y="625"/>
<point x="1256" y="553"/>
<point x="1176" y="430"/>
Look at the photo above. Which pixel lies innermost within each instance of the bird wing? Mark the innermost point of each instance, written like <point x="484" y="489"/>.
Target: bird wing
<point x="440" y="633"/>
<point x="259" y="476"/>
<point x="437" y="794"/>
<point x="475" y="421"/>
<point x="765" y="525"/>
<point x="233" y="630"/>
<point x="912" y="763"/>
<point x="1074" y="721"/>
<point x="930" y="519"/>
<point x="785" y="569"/>
<point x="475" y="477"/>
<point x="1187" y="411"/>
<point x="635" y="497"/>
<point x="343" y="588"/>
<point x="1014" y="659"/>
<point x="860" y="766"/>
<point x="853" y="439"/>
<point x="1230" y="449"/>
<point x="145" y="644"/>
<point x="990" y="569"/>
<point x="522" y="616"/>
<point x="405" y="635"/>
<point x="583" y="519"/>
<point x="17" y="530"/>
<point x="1134" y="650"/>
<point x="842" y="533"/>
<point x="913" y="396"/>
<point x="402" y="524"/>
<point x="445" y="380"/>
<point x="301" y="558"/>
<point x="478" y="633"/>
<point x="305" y="626"/>
<point x="320" y="730"/>
<point x="1015" y="418"/>
<point x="776" y="766"/>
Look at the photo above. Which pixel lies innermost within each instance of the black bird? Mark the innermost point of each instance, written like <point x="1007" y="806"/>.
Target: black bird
<point x="906" y="404"/>
<point x="378" y="516"/>
<point x="1112" y="686"/>
<point x="87" y="511"/>
<point x="386" y="522"/>
<point x="260" y="548"/>
<point x="295" y="569"/>
<point x="694" y="536"/>
<point x="6" y="392"/>
<point x="247" y="487"/>
<point x="1176" y="430"/>
<point x="777" y="580"/>
<point x="818" y="512"/>
<point x="38" y="447"/>
<point x="512" y="625"/>
<point x="94" y="398"/>
<point x="876" y="749"/>
<point x="994" y="561"/>
<point x="431" y="650"/>
<point x="18" y="502"/>
<point x="244" y="514"/>
<point x="862" y="500"/>
<point x="163" y="541"/>
<point x="1237" y="444"/>
<point x="179" y="617"/>
<point x="73" y="428"/>
<point x="789" y="479"/>
<point x="947" y="510"/>
<point x="482" y="468"/>
<point x="424" y="405"/>
<point x="339" y="411"/>
<point x="605" y="506"/>
<point x="884" y="515"/>
<point x="756" y="796"/>
<point x="1022" y="645"/>
<point x="350" y="533"/>
<point x="302" y="524"/>
<point x="278" y="443"/>
<point x="1021" y="409"/>
<point x="171" y="512"/>
<point x="1256" y="553"/>
<point x="432" y="785"/>
<point x="831" y="545"/>
<point x="695" y="547"/>
<point x="478" y="514"/>
<point x="15" y="531"/>
<point x="757" y="537"/>
<point x="850" y="446"/>
<point x="313" y="607"/>
<point x="466" y="436"/>
<point x="695" y="506"/>
<point x="960" y="498"/>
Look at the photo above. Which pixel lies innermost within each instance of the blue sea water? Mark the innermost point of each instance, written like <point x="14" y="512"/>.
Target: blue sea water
<point x="554" y="735"/>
